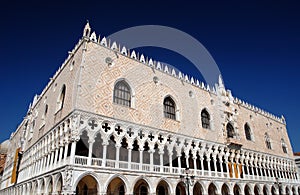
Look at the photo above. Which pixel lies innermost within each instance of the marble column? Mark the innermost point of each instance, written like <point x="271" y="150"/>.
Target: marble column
<point x="141" y="149"/>
<point x="60" y="158"/>
<point x="161" y="160"/>
<point x="171" y="161"/>
<point x="129" y="157"/>
<point x="151" y="152"/>
<point x="73" y="149"/>
<point x="104" y="144"/>
<point x="66" y="152"/>
<point x="118" y="146"/>
<point x="201" y="163"/>
<point x="89" y="160"/>
<point x="208" y="165"/>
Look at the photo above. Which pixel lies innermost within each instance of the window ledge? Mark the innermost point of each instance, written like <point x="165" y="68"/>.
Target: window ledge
<point x="129" y="107"/>
<point x="42" y="125"/>
<point x="171" y="120"/>
<point x="56" y="112"/>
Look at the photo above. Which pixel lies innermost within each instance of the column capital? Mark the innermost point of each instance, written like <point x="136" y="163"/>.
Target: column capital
<point x="91" y="141"/>
<point x="151" y="151"/>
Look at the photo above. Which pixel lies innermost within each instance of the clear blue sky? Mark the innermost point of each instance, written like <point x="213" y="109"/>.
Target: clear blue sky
<point x="256" y="46"/>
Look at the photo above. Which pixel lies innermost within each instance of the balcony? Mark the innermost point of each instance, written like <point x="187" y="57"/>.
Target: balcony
<point x="234" y="143"/>
<point x="138" y="168"/>
<point x="147" y="168"/>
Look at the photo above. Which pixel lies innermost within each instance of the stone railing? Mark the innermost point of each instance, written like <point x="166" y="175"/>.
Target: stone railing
<point x="141" y="168"/>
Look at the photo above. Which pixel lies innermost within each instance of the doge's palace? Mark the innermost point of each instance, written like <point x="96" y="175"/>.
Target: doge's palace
<point x="112" y="121"/>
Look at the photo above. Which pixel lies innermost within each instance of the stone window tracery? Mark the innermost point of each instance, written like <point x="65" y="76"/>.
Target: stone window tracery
<point x="169" y="108"/>
<point x="205" y="119"/>
<point x="122" y="94"/>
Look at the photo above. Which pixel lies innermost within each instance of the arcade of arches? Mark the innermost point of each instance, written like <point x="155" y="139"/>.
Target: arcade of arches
<point x="132" y="184"/>
<point x="104" y="145"/>
<point x="117" y="186"/>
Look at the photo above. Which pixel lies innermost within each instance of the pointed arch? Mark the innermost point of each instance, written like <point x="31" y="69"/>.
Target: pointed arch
<point x="230" y="130"/>
<point x="237" y="190"/>
<point x="45" y="113"/>
<point x="198" y="189"/>
<point x="180" y="189"/>
<point x="146" y="154"/>
<point x="205" y="119"/>
<point x="49" y="186"/>
<point x="41" y="186"/>
<point x="89" y="179"/>
<point x="265" y="190"/>
<point x="58" y="184"/>
<point x="122" y="93"/>
<point x="141" y="187"/>
<point x="61" y="98"/>
<point x="212" y="189"/>
<point x="82" y="146"/>
<point x="247" y="190"/>
<point x="287" y="190"/>
<point x="273" y="190"/>
<point x="97" y="150"/>
<point x="268" y="141"/>
<point x="248" y="133"/>
<point x="34" y="187"/>
<point x="124" y="150"/>
<point x="257" y="190"/>
<point x="111" y="147"/>
<point x="156" y="155"/>
<point x="225" y="189"/>
<point x="163" y="188"/>
<point x="283" y="146"/>
<point x="169" y="108"/>
<point x="117" y="185"/>
<point x="120" y="177"/>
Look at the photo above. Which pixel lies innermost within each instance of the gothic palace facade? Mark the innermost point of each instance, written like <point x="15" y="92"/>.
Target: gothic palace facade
<point x="111" y="121"/>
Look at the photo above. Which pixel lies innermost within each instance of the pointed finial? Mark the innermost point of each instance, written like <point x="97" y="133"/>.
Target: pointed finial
<point x="87" y="29"/>
<point x="221" y="83"/>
